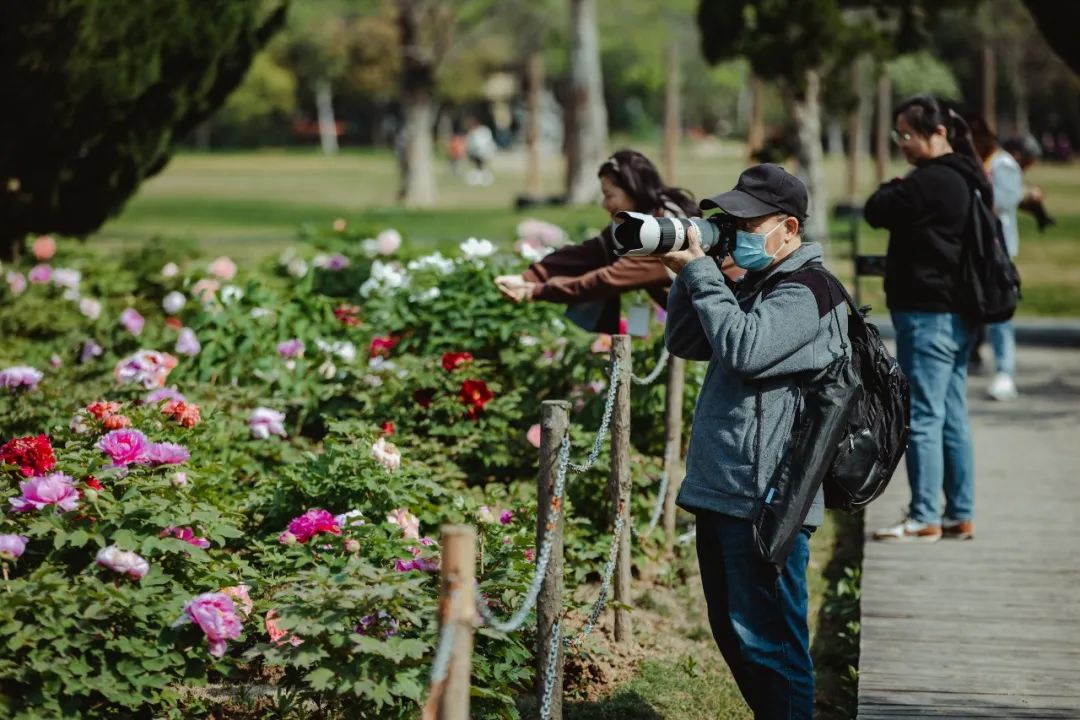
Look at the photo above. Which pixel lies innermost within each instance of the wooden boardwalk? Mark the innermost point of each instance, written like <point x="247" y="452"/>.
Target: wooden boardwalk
<point x="988" y="628"/>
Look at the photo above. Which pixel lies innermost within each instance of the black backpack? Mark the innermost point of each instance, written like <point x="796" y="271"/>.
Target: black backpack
<point x="989" y="284"/>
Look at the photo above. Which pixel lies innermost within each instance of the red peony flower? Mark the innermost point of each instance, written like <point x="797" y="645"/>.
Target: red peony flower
<point x="115" y="422"/>
<point x="101" y="408"/>
<point x="174" y="323"/>
<point x="424" y="397"/>
<point x="388" y="428"/>
<point x="451" y="360"/>
<point x="184" y="413"/>
<point x="382" y="345"/>
<point x="348" y="315"/>
<point x="475" y="394"/>
<point x="93" y="483"/>
<point x="33" y="455"/>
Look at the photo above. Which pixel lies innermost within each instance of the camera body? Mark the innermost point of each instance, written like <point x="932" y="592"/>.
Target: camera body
<point x="641" y="234"/>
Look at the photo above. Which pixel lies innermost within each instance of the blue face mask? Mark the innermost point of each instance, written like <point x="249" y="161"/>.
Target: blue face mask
<point x="749" y="252"/>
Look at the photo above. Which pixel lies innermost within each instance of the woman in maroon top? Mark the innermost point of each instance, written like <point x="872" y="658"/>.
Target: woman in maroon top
<point x="591" y="272"/>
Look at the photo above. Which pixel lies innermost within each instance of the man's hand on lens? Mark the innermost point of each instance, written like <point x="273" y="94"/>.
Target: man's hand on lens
<point x="676" y="261"/>
<point x="515" y="287"/>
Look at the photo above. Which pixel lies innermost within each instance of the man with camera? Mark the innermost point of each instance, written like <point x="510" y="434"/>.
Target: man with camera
<point x="783" y="319"/>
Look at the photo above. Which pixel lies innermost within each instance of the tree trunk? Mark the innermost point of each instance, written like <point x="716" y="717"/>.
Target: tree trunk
<point x="857" y="135"/>
<point x="806" y="112"/>
<point x="884" y="122"/>
<point x="324" y="106"/>
<point x="534" y="183"/>
<point x="586" y="140"/>
<point x="415" y="151"/>
<point x="989" y="84"/>
<point x="755" y="134"/>
<point x="672" y="111"/>
<point x="1021" y="124"/>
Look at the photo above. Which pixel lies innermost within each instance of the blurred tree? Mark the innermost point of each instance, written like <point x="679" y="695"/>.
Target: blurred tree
<point x="586" y="113"/>
<point x="259" y="110"/>
<point x="920" y="73"/>
<point x="97" y="92"/>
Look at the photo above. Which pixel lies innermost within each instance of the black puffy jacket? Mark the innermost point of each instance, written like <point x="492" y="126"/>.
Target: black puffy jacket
<point x="927" y="214"/>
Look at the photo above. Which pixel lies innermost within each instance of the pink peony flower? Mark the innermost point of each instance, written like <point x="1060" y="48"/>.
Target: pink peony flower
<point x="409" y="523"/>
<point x="291" y="349"/>
<point x="386" y="454"/>
<point x="205" y="289"/>
<point x="165" y="453"/>
<point x="44" y="247"/>
<point x="162" y="394"/>
<point x="188" y="536"/>
<point x="124" y="447"/>
<point x="310" y="524"/>
<point x="16" y="282"/>
<point x="187" y="343"/>
<point x="352" y="546"/>
<point x="12" y="546"/>
<point x="148" y="368"/>
<point x="337" y="262"/>
<point x="381" y="621"/>
<point x="241" y="597"/>
<point x="56" y="361"/>
<point x="90" y="350"/>
<point x="529" y="554"/>
<point x="40" y="492"/>
<point x="602" y="344"/>
<point x="215" y="614"/>
<point x="277" y="635"/>
<point x="223" y="268"/>
<point x="132" y="321"/>
<point x="388" y="242"/>
<point x="178" y="479"/>
<point x="123" y="562"/>
<point x="533" y="435"/>
<point x="40" y="274"/>
<point x="20" y="376"/>
<point x="265" y="422"/>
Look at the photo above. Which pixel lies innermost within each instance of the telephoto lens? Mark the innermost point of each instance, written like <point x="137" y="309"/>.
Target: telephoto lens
<point x="641" y="234"/>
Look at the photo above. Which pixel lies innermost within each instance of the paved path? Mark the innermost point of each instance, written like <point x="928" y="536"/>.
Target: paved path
<point x="988" y="628"/>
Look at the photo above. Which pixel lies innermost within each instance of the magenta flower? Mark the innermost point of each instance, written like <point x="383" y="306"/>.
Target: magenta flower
<point x="381" y="621"/>
<point x="421" y="564"/>
<point x="12" y="546"/>
<point x="20" y="376"/>
<point x="215" y="614"/>
<point x="308" y="525"/>
<point x="165" y="454"/>
<point x="506" y="517"/>
<point x="291" y="349"/>
<point x="337" y="262"/>
<point x="124" y="447"/>
<point x="132" y="321"/>
<point x="40" y="492"/>
<point x="123" y="562"/>
<point x="188" y="536"/>
<point x="40" y="274"/>
<point x="187" y="343"/>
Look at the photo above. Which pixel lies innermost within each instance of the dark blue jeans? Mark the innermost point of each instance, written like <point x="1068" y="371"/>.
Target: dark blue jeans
<point x="758" y="616"/>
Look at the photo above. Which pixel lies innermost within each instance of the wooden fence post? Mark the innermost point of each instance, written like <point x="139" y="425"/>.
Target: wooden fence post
<point x="619" y="484"/>
<point x="449" y="699"/>
<point x="673" y="444"/>
<point x="554" y="424"/>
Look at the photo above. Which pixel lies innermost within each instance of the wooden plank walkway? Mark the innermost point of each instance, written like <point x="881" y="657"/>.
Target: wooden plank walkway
<point x="988" y="628"/>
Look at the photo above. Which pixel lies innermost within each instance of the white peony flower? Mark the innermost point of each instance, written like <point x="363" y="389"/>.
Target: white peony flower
<point x="435" y="261"/>
<point x="474" y="249"/>
<point x="90" y="307"/>
<point x="173" y="302"/>
<point x="297" y="267"/>
<point x="170" y="270"/>
<point x="231" y="294"/>
<point x="386" y="454"/>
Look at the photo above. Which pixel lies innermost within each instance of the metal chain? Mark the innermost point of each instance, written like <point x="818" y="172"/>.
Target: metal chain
<point x="609" y="408"/>
<point x="605" y="585"/>
<point x="440" y="666"/>
<point x="658" y="507"/>
<point x="649" y="379"/>
<point x="518" y="618"/>
<point x="549" y="676"/>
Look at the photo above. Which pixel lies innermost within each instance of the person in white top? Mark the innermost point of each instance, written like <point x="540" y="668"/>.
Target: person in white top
<point x="480" y="147"/>
<point x="1008" y="180"/>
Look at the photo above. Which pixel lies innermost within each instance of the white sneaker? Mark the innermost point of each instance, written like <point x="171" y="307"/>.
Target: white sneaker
<point x="910" y="531"/>
<point x="1002" y="388"/>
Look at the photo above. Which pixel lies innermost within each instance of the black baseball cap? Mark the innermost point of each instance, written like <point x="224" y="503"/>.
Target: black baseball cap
<point x="762" y="190"/>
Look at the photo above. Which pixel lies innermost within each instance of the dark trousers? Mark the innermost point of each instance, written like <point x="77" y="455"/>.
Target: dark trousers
<point x="758" y="616"/>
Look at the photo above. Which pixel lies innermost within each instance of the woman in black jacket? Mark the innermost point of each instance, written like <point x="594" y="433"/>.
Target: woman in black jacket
<point x="926" y="213"/>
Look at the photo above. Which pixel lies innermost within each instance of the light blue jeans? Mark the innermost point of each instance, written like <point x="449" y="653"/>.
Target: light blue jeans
<point x="933" y="349"/>
<point x="1003" y="340"/>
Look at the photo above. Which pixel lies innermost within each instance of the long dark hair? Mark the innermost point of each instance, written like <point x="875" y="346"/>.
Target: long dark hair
<point x="925" y="112"/>
<point x="639" y="178"/>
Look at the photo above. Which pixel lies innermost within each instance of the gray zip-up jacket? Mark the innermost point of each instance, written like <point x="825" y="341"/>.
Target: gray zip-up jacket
<point x="753" y="345"/>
